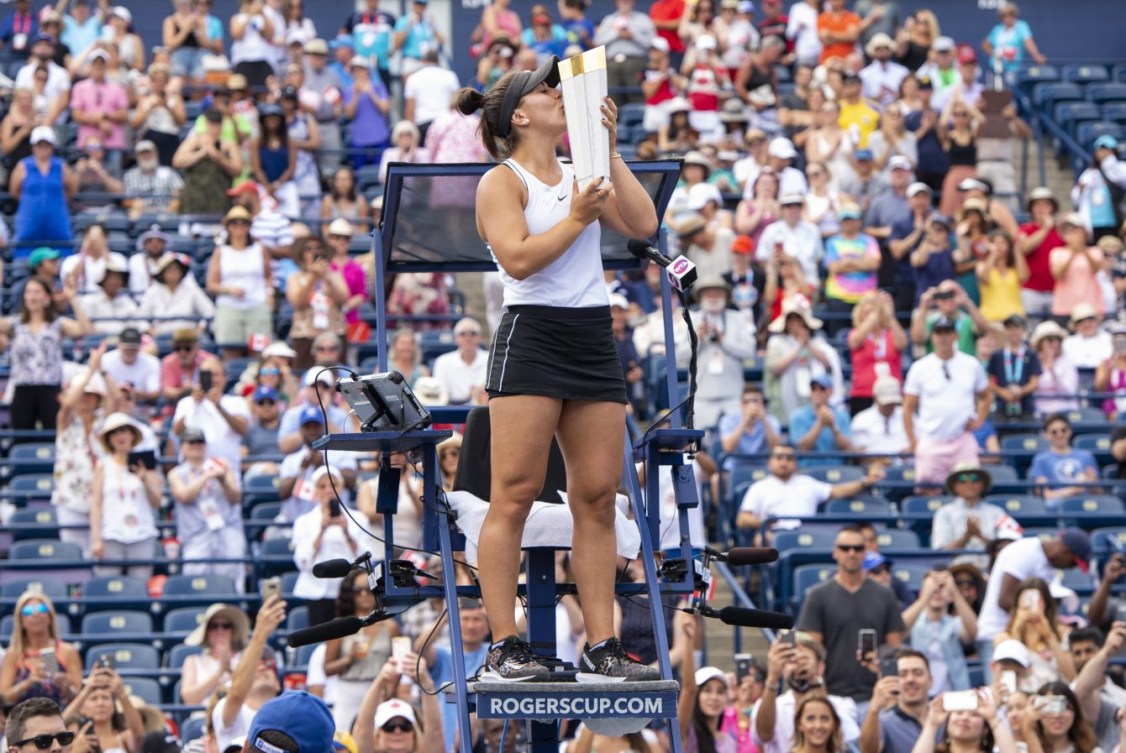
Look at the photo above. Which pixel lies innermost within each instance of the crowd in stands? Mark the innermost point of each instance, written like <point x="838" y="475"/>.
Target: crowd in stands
<point x="888" y="328"/>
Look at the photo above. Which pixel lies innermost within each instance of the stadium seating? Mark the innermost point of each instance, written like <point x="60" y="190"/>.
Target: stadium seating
<point x="130" y="658"/>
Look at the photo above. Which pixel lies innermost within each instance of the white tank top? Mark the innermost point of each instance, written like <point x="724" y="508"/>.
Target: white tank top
<point x="127" y="516"/>
<point x="574" y="280"/>
<point x="253" y="46"/>
<point x="242" y="269"/>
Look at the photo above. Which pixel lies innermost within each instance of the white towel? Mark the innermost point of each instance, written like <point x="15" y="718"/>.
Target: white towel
<point x="548" y="524"/>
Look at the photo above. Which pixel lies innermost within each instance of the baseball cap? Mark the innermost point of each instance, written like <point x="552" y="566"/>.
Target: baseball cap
<point x="782" y="148"/>
<point x="705" y="674"/>
<point x="899" y="162"/>
<point x="617" y="300"/>
<point x="316" y="374"/>
<point x="44" y="133"/>
<point x="972" y="184"/>
<point x="943" y="44"/>
<point x="918" y="188"/>
<point x="388" y="710"/>
<point x="298" y="714"/>
<point x="822" y="380"/>
<point x="99" y="55"/>
<point x="1015" y="320"/>
<point x="246" y="186"/>
<point x="40" y="255"/>
<point x="1079" y="544"/>
<point x="660" y="44"/>
<point x="311" y="414"/>
<point x="849" y="212"/>
<point x="129" y="336"/>
<point x="1106" y="141"/>
<point x="944" y="323"/>
<point x="941" y="219"/>
<point x="872" y="560"/>
<point x="966" y="54"/>
<point x="316" y="47"/>
<point x="745" y="6"/>
<point x="1012" y="650"/>
<point x="144" y="145"/>
<point x="266" y="392"/>
<point x="863" y="155"/>
<point x="192" y="434"/>
<point x="886" y="391"/>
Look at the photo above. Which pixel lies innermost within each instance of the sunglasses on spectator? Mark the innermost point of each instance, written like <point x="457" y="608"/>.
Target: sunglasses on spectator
<point x="220" y="626"/>
<point x="270" y="371"/>
<point x="196" y="441"/>
<point x="398" y="727"/>
<point x="967" y="478"/>
<point x="185" y="348"/>
<point x="963" y="583"/>
<point x="30" y="609"/>
<point x="43" y="742"/>
<point x="851" y="547"/>
<point x="468" y="333"/>
<point x="326" y="348"/>
<point x="1061" y="431"/>
<point x="239" y="222"/>
<point x="267" y="401"/>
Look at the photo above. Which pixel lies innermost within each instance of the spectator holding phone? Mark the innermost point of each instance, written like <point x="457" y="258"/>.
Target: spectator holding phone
<point x="37" y="664"/>
<point x="940" y="635"/>
<point x="208" y="511"/>
<point x="223" y="419"/>
<point x="795" y="671"/>
<point x="325" y="532"/>
<point x="898" y="711"/>
<point x="703" y="697"/>
<point x="295" y="484"/>
<point x="101" y="696"/>
<point x="1063" y="726"/>
<point x="966" y="730"/>
<point x="1105" y="609"/>
<point x="124" y="496"/>
<point x="1034" y="623"/>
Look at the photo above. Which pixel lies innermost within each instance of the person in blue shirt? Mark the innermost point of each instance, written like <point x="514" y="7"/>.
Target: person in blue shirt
<point x="1009" y="41"/>
<point x="439" y="657"/>
<point x="415" y="33"/>
<point x="578" y="28"/>
<point x="933" y="258"/>
<point x="370" y="32"/>
<point x="82" y="26"/>
<point x="752" y="431"/>
<point x="1060" y="468"/>
<point x="17" y="29"/>
<point x="343" y="49"/>
<point x="1014" y="371"/>
<point x="820" y="427"/>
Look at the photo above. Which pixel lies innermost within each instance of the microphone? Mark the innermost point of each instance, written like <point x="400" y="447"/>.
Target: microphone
<point x="326" y="631"/>
<point x="744" y="555"/>
<point x="681" y="272"/>
<point x="748" y="618"/>
<point x="337" y="568"/>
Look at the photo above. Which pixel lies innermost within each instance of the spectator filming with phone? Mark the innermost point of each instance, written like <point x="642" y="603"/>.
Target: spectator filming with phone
<point x="112" y="719"/>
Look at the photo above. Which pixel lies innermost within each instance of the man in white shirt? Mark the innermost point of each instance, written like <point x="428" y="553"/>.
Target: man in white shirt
<point x="879" y="428"/>
<point x="465" y="369"/>
<point x="142" y="265"/>
<point x="1090" y="345"/>
<point x="799" y="668"/>
<point x="254" y="681"/>
<point x="881" y="78"/>
<point x="428" y="91"/>
<point x="950" y="392"/>
<point x="110" y="306"/>
<point x="223" y="419"/>
<point x="1027" y="558"/>
<point x="782" y="154"/>
<point x="796" y="237"/>
<point x="785" y="491"/>
<point x="57" y="90"/>
<point x="128" y="365"/>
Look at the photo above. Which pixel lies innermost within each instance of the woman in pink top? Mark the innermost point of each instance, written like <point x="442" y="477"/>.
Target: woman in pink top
<point x="340" y="233"/>
<point x="1074" y="267"/>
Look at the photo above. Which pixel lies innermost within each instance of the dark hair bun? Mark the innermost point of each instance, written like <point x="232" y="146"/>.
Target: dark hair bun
<point x="468" y="101"/>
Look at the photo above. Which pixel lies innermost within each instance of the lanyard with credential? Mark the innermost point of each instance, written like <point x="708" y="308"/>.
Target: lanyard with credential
<point x="1013" y="371"/>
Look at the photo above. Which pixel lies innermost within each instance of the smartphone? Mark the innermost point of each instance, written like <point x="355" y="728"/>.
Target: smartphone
<point x="743" y="664"/>
<point x="1030" y="600"/>
<point x="960" y="700"/>
<point x="1051" y="704"/>
<point x="334" y="508"/>
<point x="889" y="667"/>
<point x="1008" y="682"/>
<point x="400" y="648"/>
<point x="146" y="458"/>
<point x="105" y="661"/>
<point x="866" y="641"/>
<point x="1120" y="613"/>
<point x="205" y="381"/>
<point x="50" y="661"/>
<point x="790" y="638"/>
<point x="270" y="587"/>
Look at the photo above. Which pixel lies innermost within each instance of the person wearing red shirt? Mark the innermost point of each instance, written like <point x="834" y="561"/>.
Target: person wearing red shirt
<point x="1036" y="241"/>
<point x="838" y="30"/>
<point x="666" y="17"/>
<point x="774" y="22"/>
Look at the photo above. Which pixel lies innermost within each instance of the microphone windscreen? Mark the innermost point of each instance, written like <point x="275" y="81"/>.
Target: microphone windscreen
<point x="326" y="631"/>
<point x="332" y="568"/>
<point x="751" y="555"/>
<point x="637" y="248"/>
<point x="755" y="618"/>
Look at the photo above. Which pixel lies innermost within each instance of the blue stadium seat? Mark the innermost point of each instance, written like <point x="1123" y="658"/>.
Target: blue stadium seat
<point x="46" y="550"/>
<point x="178" y="653"/>
<point x="8" y="624"/>
<point x="1001" y="473"/>
<point x="202" y="586"/>
<point x="898" y="482"/>
<point x="861" y="508"/>
<point x="630" y="115"/>
<point x="1114" y="112"/>
<point x="1106" y="541"/>
<point x="812" y="539"/>
<point x="1091" y="510"/>
<point x="1078" y="581"/>
<point x="1084" y="73"/>
<point x="38" y="523"/>
<point x="258" y="489"/>
<point x="275" y="557"/>
<point x="1118" y="72"/>
<point x="125" y="656"/>
<point x="288" y="581"/>
<point x="1097" y="444"/>
<point x="1046" y="95"/>
<point x="1036" y="74"/>
<point x="897" y="538"/>
<point x="31" y="487"/>
<point x="193" y="728"/>
<point x="836" y="474"/>
<point x="109" y="623"/>
<point x="52" y="588"/>
<point x="303" y="655"/>
<point x="145" y="688"/>
<point x="1026" y="509"/>
<point x="1086" y="133"/>
<point x="115" y="592"/>
<point x="1113" y="91"/>
<point x="297" y="619"/>
<point x="433" y="343"/>
<point x="910" y="573"/>
<point x="183" y="620"/>
<point x="1024" y="443"/>
<point x="746" y="474"/>
<point x="805" y="578"/>
<point x="262" y="516"/>
<point x="918" y="512"/>
<point x="33" y="457"/>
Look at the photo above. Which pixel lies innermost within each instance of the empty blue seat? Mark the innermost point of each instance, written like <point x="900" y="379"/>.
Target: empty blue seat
<point x="1046" y="95"/>
<point x="202" y="586"/>
<point x="1086" y="133"/>
<point x="910" y="573"/>
<point x="52" y="588"/>
<point x="806" y="577"/>
<point x="178" y="653"/>
<point x="31" y="487"/>
<point x="258" y="489"/>
<point x="1118" y="72"/>
<point x="103" y="623"/>
<point x="125" y="656"/>
<point x="1091" y="510"/>
<point x="834" y="474"/>
<point x="45" y="550"/>
<point x="275" y="557"/>
<point x="1021" y="507"/>
<point x="1036" y="74"/>
<point x="1001" y="473"/>
<point x="812" y="539"/>
<point x="145" y="688"/>
<point x="1111" y="91"/>
<point x="38" y="523"/>
<point x="1114" y="112"/>
<point x="897" y="538"/>
<point x="297" y="619"/>
<point x="861" y="508"/>
<point x="1084" y="73"/>
<point x="33" y="457"/>
<point x="1097" y="444"/>
<point x="1024" y="443"/>
<point x="115" y="592"/>
<point x="192" y="729"/>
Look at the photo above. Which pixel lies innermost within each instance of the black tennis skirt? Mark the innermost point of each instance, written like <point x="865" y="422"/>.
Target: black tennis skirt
<point x="565" y="353"/>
